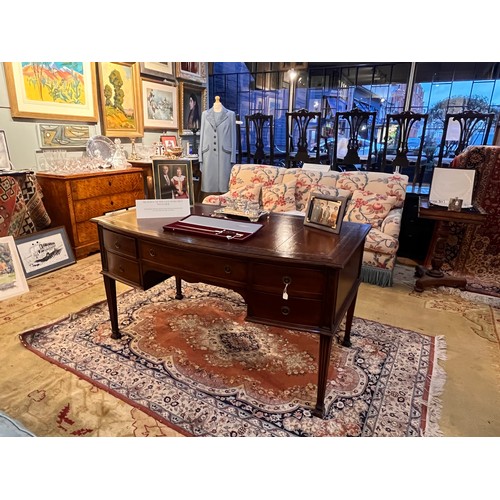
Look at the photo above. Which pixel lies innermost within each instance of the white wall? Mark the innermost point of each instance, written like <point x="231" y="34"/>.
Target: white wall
<point x="21" y="133"/>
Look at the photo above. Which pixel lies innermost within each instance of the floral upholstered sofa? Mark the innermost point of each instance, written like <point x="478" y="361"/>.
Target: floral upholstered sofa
<point x="375" y="198"/>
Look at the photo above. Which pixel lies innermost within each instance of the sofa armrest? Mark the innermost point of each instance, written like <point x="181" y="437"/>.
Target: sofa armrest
<point x="391" y="225"/>
<point x="216" y="199"/>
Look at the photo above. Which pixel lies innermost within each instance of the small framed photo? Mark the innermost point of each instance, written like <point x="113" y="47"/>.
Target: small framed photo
<point x="168" y="141"/>
<point x="5" y="163"/>
<point x="44" y="251"/>
<point x="325" y="212"/>
<point x="173" y="179"/>
<point x="12" y="278"/>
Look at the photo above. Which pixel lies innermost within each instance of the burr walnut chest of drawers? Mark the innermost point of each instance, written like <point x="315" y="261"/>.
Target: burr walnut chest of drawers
<point x="71" y="200"/>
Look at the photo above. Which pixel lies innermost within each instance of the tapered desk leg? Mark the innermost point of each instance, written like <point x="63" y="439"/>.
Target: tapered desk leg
<point x="325" y="348"/>
<point x="178" y="288"/>
<point x="348" y="322"/>
<point x="110" y="286"/>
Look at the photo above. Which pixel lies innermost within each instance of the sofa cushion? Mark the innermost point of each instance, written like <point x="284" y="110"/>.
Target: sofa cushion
<point x="393" y="185"/>
<point x="329" y="191"/>
<point x="352" y="180"/>
<point x="247" y="192"/>
<point x="306" y="180"/>
<point x="279" y="197"/>
<point x="245" y="174"/>
<point x="369" y="208"/>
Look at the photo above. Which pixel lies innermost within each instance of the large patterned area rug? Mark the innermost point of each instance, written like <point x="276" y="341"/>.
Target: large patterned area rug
<point x="197" y="365"/>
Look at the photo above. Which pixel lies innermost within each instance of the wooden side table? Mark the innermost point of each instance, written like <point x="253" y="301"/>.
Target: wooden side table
<point x="436" y="253"/>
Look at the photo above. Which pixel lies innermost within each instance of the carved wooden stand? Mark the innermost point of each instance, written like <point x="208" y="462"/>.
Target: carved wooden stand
<point x="435" y="276"/>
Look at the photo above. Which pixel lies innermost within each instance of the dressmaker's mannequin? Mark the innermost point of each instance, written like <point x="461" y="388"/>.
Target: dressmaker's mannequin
<point x="217" y="151"/>
<point x="217" y="105"/>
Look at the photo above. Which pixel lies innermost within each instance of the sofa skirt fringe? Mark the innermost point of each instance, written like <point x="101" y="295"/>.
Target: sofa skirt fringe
<point x="380" y="277"/>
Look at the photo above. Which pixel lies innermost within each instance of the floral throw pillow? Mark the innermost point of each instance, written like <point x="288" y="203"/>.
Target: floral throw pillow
<point x="279" y="197"/>
<point x="247" y="192"/>
<point x="369" y="208"/>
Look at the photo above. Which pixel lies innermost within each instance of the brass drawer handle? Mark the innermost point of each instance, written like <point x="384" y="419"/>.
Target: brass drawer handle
<point x="121" y="269"/>
<point x="152" y="252"/>
<point x="117" y="245"/>
<point x="227" y="269"/>
<point x="285" y="310"/>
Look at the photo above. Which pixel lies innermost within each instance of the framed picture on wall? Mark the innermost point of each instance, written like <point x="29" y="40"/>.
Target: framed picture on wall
<point x="159" y="101"/>
<point x="173" y="179"/>
<point x="193" y="71"/>
<point x="44" y="251"/>
<point x="52" y="90"/>
<point x="64" y="135"/>
<point x="12" y="279"/>
<point x="5" y="163"/>
<point x="120" y="99"/>
<point x="325" y="212"/>
<point x="193" y="101"/>
<point x="161" y="69"/>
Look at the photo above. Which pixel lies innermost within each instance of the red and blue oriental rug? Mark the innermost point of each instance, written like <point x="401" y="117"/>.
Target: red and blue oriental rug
<point x="197" y="365"/>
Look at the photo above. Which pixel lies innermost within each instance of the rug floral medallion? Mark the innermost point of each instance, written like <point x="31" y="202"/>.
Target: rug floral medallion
<point x="197" y="365"/>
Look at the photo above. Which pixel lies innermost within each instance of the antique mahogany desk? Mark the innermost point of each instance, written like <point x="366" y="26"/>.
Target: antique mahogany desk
<point x="319" y="271"/>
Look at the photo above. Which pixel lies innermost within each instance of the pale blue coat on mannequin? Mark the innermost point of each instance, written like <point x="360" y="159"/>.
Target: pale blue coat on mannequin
<point x="217" y="150"/>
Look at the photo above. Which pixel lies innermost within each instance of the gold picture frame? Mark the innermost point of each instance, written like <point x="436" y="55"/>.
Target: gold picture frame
<point x="120" y="99"/>
<point x="185" y="91"/>
<point x="52" y="90"/>
<point x="325" y="212"/>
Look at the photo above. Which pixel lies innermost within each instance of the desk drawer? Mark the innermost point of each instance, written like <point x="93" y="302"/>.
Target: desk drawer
<point x="224" y="268"/>
<point x="105" y="185"/>
<point x="272" y="307"/>
<point x="124" y="269"/>
<point x="95" y="207"/>
<point x="118" y="243"/>
<point x="301" y="282"/>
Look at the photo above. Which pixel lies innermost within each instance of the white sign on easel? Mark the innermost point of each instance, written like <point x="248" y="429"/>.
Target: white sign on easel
<point x="154" y="209"/>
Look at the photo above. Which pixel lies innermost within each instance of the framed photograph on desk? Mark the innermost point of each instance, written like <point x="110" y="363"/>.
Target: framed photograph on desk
<point x="173" y="179"/>
<point x="325" y="212"/>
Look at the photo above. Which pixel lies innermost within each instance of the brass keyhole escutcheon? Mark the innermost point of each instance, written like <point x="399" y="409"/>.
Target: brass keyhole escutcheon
<point x="227" y="269"/>
<point x="287" y="280"/>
